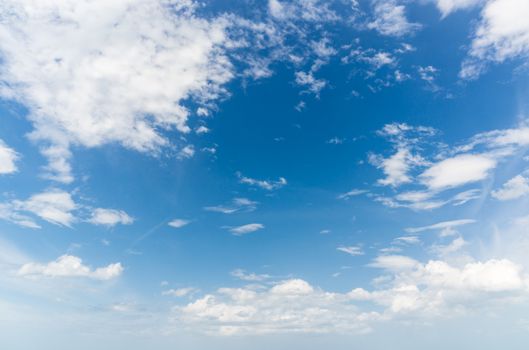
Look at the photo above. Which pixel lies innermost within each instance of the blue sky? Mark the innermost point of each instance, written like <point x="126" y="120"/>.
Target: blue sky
<point x="257" y="174"/>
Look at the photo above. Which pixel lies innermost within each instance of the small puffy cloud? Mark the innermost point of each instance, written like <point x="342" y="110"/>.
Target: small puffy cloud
<point x="70" y="266"/>
<point x="187" y="152"/>
<point x="110" y="217"/>
<point x="264" y="184"/>
<point x="8" y="158"/>
<point x="178" y="223"/>
<point x="516" y="187"/>
<point x="312" y="84"/>
<point x="351" y="250"/>
<point x="457" y="171"/>
<point x="390" y="19"/>
<point x="245" y="229"/>
<point x="202" y="130"/>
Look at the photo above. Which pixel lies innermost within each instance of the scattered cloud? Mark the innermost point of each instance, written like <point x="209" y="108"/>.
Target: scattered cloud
<point x="516" y="187"/>
<point x="110" y="217"/>
<point x="441" y="225"/>
<point x="8" y="158"/>
<point x="264" y="184"/>
<point x="249" y="277"/>
<point x="390" y="19"/>
<point x="178" y="223"/>
<point x="245" y="229"/>
<point x="351" y="250"/>
<point x="179" y="293"/>
<point x="237" y="204"/>
<point x="55" y="206"/>
<point x="70" y="266"/>
<point x="502" y="34"/>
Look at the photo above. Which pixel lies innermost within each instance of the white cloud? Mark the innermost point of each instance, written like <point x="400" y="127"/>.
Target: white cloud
<point x="110" y="217"/>
<point x="264" y="184"/>
<point x="245" y="229"/>
<point x="178" y="223"/>
<point x="408" y="240"/>
<point x="352" y="193"/>
<point x="94" y="72"/>
<point x="70" y="266"/>
<point x="8" y="158"/>
<point x="351" y="250"/>
<point x="436" y="288"/>
<point x="448" y="6"/>
<point x="312" y="84"/>
<point x="180" y="292"/>
<point x="291" y="306"/>
<point x="306" y="10"/>
<point x="187" y="152"/>
<point x="390" y="19"/>
<point x="238" y="204"/>
<point x="396" y="167"/>
<point x="502" y="33"/>
<point x="55" y="206"/>
<point x="456" y="245"/>
<point x="441" y="225"/>
<point x="516" y="187"/>
<point x="249" y="277"/>
<point x="457" y="171"/>
<point x="394" y="262"/>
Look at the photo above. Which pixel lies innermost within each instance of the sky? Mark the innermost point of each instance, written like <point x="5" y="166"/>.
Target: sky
<point x="259" y="174"/>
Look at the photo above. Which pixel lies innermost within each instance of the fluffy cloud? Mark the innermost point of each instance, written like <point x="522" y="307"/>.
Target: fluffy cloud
<point x="55" y="206"/>
<point x="390" y="19"/>
<point x="245" y="229"/>
<point x="457" y="171"/>
<point x="396" y="167"/>
<point x="448" y="6"/>
<point x="110" y="217"/>
<point x="93" y="72"/>
<point x="502" y="33"/>
<point x="516" y="187"/>
<point x="290" y="306"/>
<point x="70" y="266"/>
<point x="8" y="158"/>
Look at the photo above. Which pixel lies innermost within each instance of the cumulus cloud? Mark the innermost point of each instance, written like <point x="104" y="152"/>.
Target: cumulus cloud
<point x="70" y="266"/>
<point x="502" y="34"/>
<point x="110" y="217"/>
<point x="93" y="72"/>
<point x="290" y="306"/>
<point x="516" y="187"/>
<point x="245" y="229"/>
<point x="8" y="158"/>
